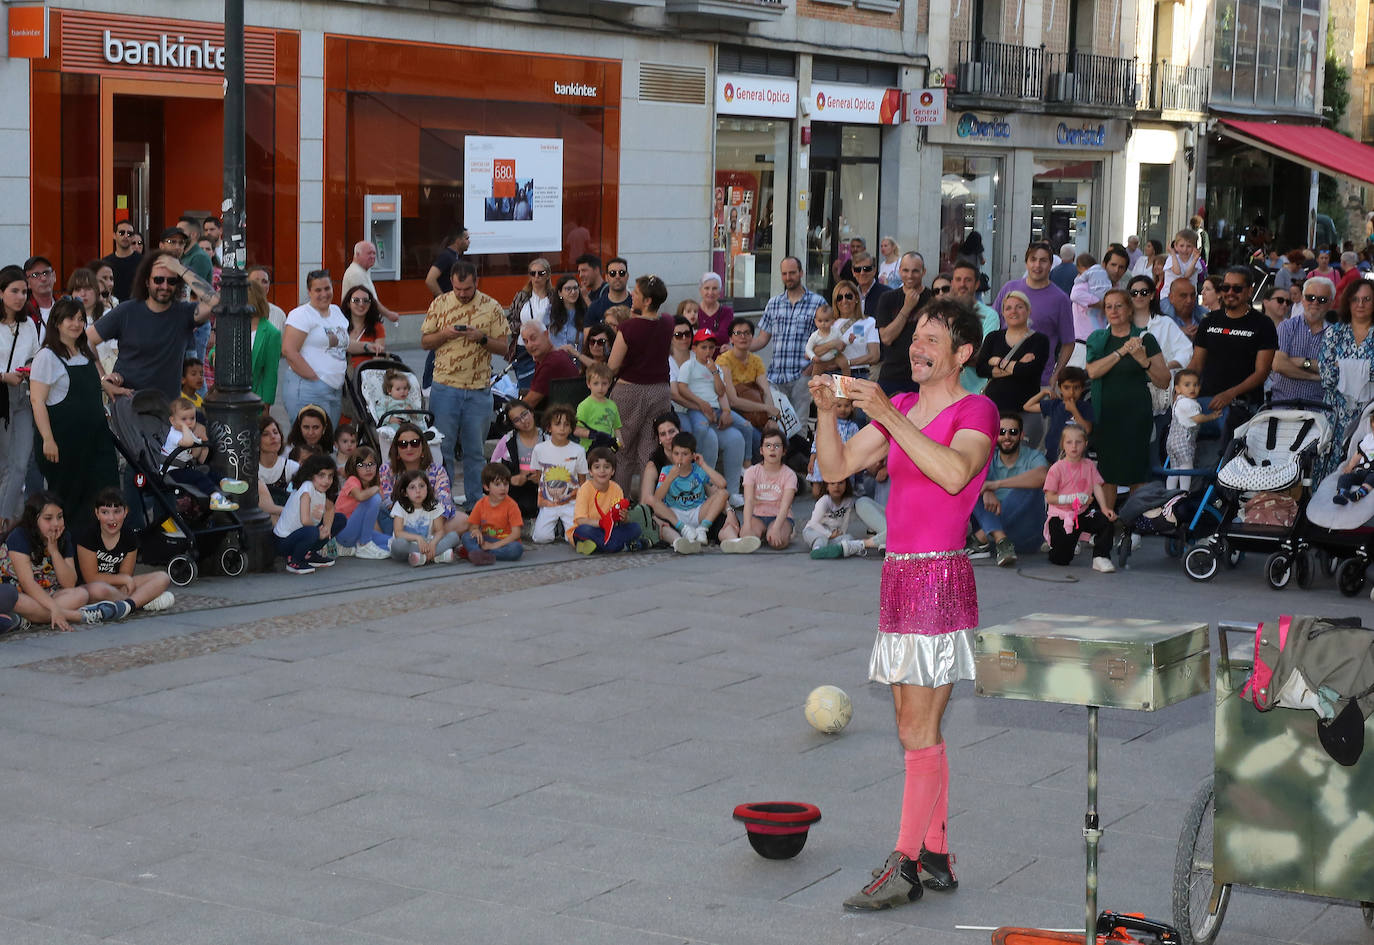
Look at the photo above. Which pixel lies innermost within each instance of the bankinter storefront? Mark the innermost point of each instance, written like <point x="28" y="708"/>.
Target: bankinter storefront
<point x="127" y="124"/>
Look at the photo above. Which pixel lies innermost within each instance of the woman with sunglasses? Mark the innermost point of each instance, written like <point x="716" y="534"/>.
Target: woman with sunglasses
<point x="410" y="451"/>
<point x="315" y="345"/>
<point x="1346" y="364"/>
<point x="1276" y="305"/>
<point x="18" y="345"/>
<point x="679" y="353"/>
<point x="366" y="334"/>
<point x="860" y="332"/>
<point x="514" y="451"/>
<point x="531" y="304"/>
<point x="1173" y="343"/>
<point x="597" y="345"/>
<point x="712" y="315"/>
<point x="1122" y="359"/>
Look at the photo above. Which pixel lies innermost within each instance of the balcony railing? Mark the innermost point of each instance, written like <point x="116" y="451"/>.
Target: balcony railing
<point x="1178" y="88"/>
<point x="1000" y="70"/>
<point x="1086" y="79"/>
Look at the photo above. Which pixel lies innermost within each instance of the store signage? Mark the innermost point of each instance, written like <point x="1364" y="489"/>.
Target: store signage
<point x="1088" y="136"/>
<point x="971" y="126"/>
<point x="926" y="106"/>
<point x="105" y="42"/>
<point x="28" y="28"/>
<point x="754" y="95"/>
<point x="856" y="104"/>
<point x="513" y="194"/>
<point x="576" y="89"/>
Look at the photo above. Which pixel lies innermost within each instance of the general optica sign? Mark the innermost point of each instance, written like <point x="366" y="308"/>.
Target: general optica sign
<point x="758" y="96"/>
<point x="855" y="104"/>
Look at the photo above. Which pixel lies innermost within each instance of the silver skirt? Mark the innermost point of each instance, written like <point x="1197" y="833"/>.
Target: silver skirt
<point x="920" y="659"/>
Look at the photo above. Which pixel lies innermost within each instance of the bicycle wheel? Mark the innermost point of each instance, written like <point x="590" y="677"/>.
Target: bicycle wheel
<point x="1194" y="885"/>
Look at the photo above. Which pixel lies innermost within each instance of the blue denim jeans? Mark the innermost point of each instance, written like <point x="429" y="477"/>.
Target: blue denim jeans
<point x="463" y="417"/>
<point x="510" y="552"/>
<point x="713" y="442"/>
<point x="296" y="392"/>
<point x="621" y="534"/>
<point x="361" y="526"/>
<point x="1022" y="518"/>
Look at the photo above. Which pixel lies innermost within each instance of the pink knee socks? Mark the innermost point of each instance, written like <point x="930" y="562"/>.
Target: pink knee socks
<point x="925" y="802"/>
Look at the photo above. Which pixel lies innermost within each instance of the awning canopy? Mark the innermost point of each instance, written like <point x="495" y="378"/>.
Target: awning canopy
<point x="1310" y="145"/>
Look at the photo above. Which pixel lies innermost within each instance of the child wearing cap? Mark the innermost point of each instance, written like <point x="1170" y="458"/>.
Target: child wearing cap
<point x="825" y="347"/>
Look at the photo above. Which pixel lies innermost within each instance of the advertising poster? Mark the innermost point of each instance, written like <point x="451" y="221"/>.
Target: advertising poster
<point x="513" y="194"/>
<point x="735" y="195"/>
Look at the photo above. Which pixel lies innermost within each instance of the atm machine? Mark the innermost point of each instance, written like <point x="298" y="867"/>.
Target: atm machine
<point x="382" y="228"/>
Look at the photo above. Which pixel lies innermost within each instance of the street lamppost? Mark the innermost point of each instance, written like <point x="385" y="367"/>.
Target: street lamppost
<point x="231" y="406"/>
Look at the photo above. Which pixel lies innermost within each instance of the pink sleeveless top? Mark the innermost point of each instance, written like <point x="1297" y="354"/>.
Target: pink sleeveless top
<point x="922" y="516"/>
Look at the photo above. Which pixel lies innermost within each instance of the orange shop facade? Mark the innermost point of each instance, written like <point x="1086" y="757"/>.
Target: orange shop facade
<point x="126" y="118"/>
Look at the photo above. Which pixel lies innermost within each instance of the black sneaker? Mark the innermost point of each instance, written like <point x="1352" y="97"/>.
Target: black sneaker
<point x="939" y="870"/>
<point x="896" y="883"/>
<point x="298" y="567"/>
<point x="317" y="560"/>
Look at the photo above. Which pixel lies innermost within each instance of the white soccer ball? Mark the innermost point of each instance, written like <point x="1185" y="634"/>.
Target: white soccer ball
<point x="828" y="709"/>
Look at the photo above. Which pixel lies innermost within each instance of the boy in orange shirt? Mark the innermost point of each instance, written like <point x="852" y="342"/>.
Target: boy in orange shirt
<point x="495" y="521"/>
<point x="600" y="507"/>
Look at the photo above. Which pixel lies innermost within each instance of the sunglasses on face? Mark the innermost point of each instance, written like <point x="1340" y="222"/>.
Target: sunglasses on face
<point x="942" y="290"/>
<point x="617" y="273"/>
<point x="164" y="280"/>
<point x="407" y="444"/>
<point x="1282" y="300"/>
<point x="602" y="341"/>
<point x="1141" y="293"/>
<point x="1319" y="299"/>
<point x="863" y="268"/>
<point x="124" y="233"/>
<point x="845" y="297"/>
<point x="538" y="273"/>
<point x="1231" y="287"/>
<point x="679" y="334"/>
<point x="1014" y="431"/>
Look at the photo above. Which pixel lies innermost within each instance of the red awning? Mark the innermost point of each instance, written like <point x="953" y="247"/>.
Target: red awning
<point x="1310" y="145"/>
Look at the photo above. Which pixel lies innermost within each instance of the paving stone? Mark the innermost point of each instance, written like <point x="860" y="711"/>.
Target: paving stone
<point x="102" y="852"/>
<point x="209" y="923"/>
<point x="86" y="906"/>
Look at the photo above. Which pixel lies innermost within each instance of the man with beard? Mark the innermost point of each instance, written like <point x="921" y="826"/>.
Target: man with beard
<point x="123" y="262"/>
<point x="617" y="277"/>
<point x="152" y="328"/>
<point x="1011" y="510"/>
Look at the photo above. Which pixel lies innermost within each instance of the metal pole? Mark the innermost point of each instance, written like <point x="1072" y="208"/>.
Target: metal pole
<point x="231" y="406"/>
<point x="1092" y="833"/>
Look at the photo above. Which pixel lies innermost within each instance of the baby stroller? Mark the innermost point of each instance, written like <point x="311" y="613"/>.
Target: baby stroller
<point x="1344" y="534"/>
<point x="1269" y="458"/>
<point x="365" y="391"/>
<point x="1179" y="516"/>
<point x="181" y="530"/>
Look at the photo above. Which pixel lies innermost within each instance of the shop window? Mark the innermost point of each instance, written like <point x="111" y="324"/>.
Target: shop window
<point x="747" y="223"/>
<point x="412" y="145"/>
<point x="844" y="198"/>
<point x="970" y="195"/>
<point x="1152" y="218"/>
<point x="756" y="61"/>
<point x="879" y="75"/>
<point x="1062" y="197"/>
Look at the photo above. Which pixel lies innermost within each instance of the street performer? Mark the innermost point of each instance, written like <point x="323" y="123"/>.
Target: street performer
<point x="937" y="443"/>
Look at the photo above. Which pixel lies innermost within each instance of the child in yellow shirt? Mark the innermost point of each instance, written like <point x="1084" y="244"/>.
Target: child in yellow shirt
<point x="600" y="507"/>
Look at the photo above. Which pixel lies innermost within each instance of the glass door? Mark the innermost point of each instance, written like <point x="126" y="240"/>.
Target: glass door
<point x="844" y="198"/>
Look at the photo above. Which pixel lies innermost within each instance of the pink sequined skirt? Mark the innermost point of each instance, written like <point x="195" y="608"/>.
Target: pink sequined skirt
<point x="928" y="605"/>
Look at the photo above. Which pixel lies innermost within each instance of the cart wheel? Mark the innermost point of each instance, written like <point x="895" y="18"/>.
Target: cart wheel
<point x="1305" y="567"/>
<point x="231" y="561"/>
<point x="1195" y="916"/>
<point x="1173" y="547"/>
<point x="1200" y="563"/>
<point x="1279" y="570"/>
<point x="182" y="570"/>
<point x="1350" y="576"/>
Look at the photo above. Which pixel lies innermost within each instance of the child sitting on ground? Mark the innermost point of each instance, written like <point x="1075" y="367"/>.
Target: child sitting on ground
<point x="495" y="521"/>
<point x="192" y="380"/>
<point x="185" y="440"/>
<point x="419" y="535"/>
<point x="844" y="413"/>
<point x="1071" y="406"/>
<point x="1357" y="478"/>
<point x="601" y="506"/>
<point x="689" y="498"/>
<point x="1075" y="504"/>
<point x="360" y="500"/>
<point x="827" y="531"/>
<point x="561" y="466"/>
<point x="308" y="519"/>
<point x="345" y="442"/>
<point x="769" y="488"/>
<point x="825" y="347"/>
<point x="107" y="552"/>
<point x="598" y="418"/>
<point x="1181" y="445"/>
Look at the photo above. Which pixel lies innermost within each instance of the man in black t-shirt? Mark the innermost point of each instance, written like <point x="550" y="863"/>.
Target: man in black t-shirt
<point x="896" y="321"/>
<point x="123" y="261"/>
<point x="1233" y="351"/>
<point x="455" y="245"/>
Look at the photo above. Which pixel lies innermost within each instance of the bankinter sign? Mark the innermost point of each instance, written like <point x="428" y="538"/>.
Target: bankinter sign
<point x="166" y="52"/>
<point x="191" y="51"/>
